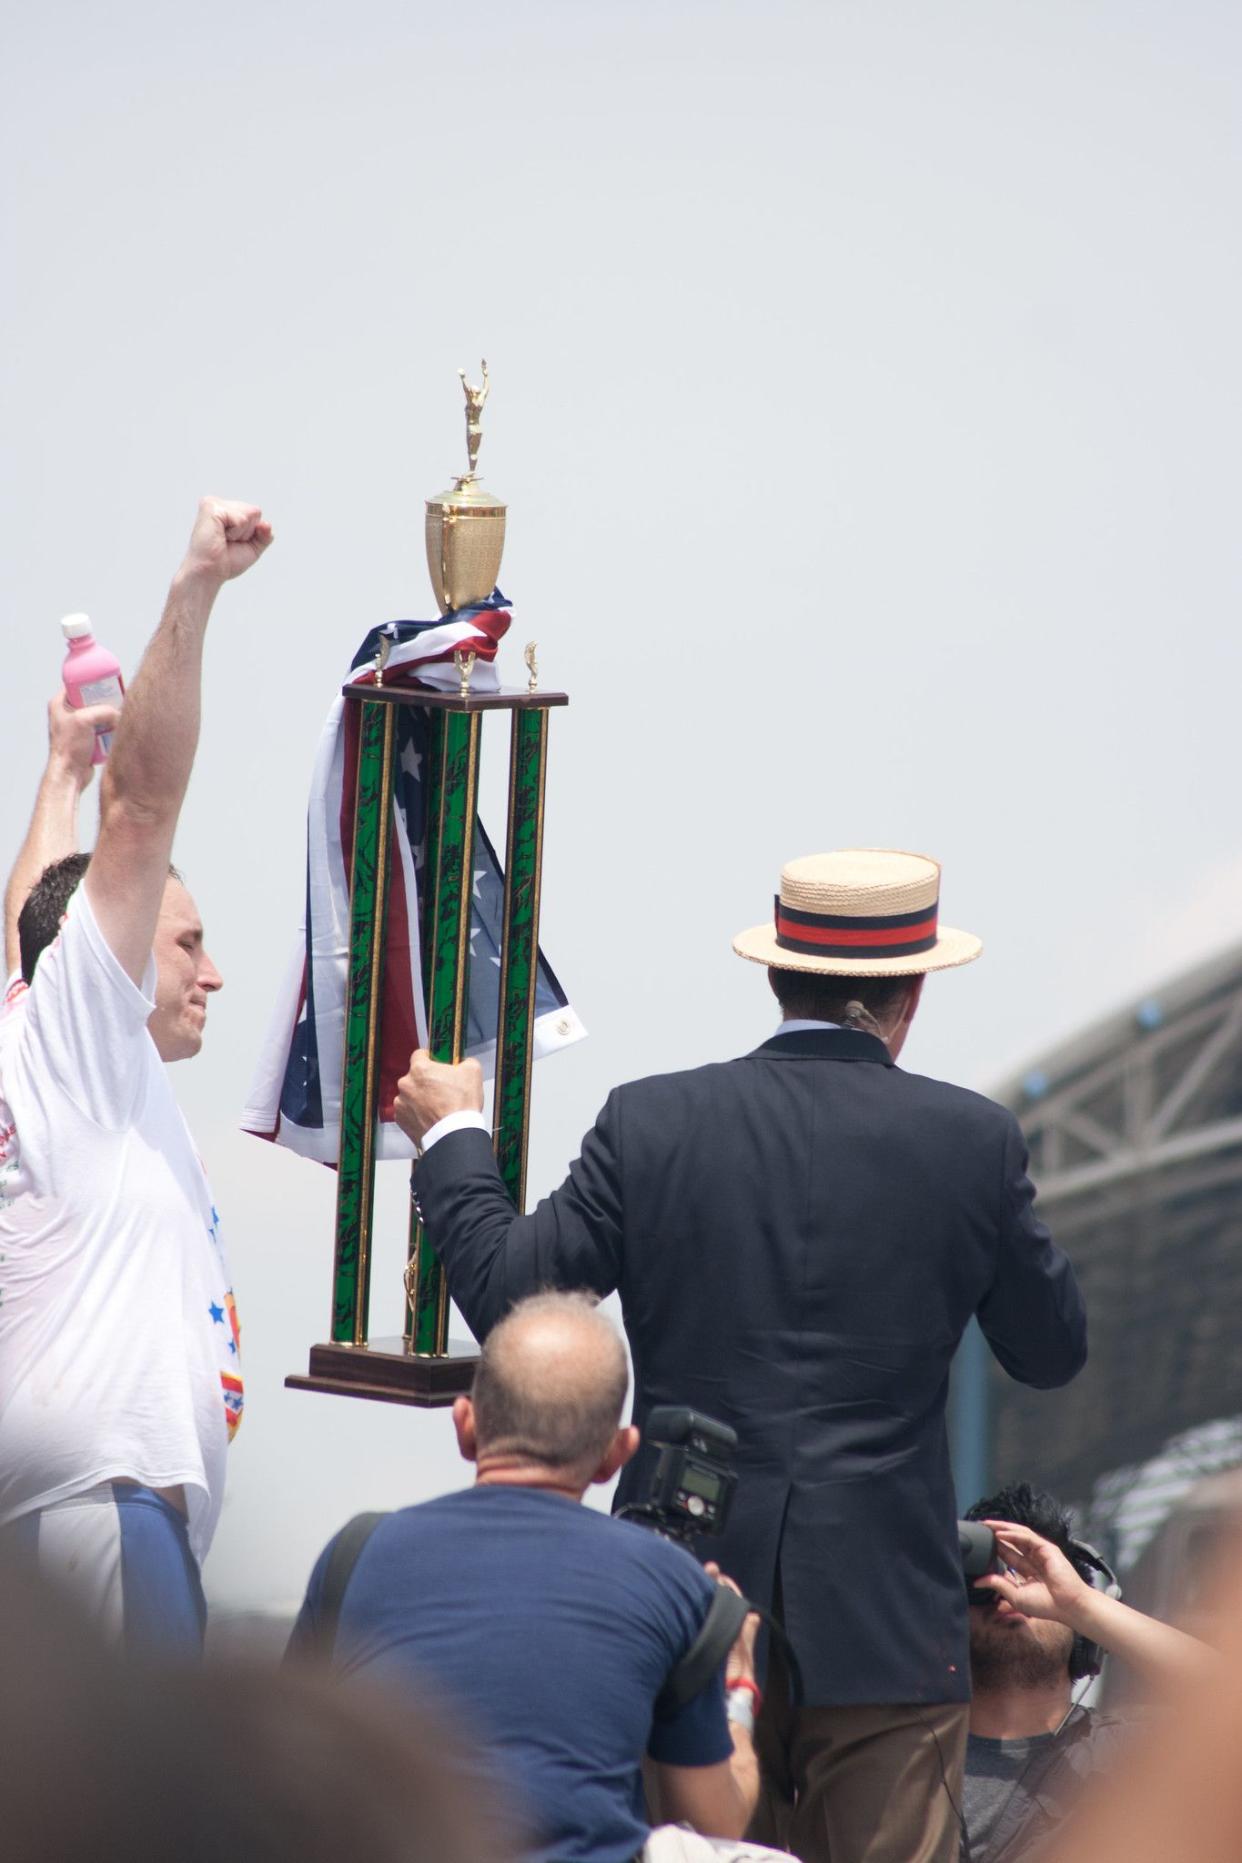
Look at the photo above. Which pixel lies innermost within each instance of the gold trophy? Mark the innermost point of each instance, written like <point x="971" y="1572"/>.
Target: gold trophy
<point x="465" y="527"/>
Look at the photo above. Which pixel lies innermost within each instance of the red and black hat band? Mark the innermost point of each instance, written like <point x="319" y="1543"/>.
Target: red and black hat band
<point x="830" y="934"/>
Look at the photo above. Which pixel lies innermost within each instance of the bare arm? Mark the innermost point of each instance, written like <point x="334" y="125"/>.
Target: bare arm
<point x="717" y="1801"/>
<point x="53" y="830"/>
<point x="1045" y="1584"/>
<point x="720" y="1800"/>
<point x="148" y="771"/>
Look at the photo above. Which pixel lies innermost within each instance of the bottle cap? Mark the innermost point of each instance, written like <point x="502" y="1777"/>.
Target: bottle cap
<point x="75" y="627"/>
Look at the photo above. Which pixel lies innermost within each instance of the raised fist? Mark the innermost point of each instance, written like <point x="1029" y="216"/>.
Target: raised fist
<point x="228" y="537"/>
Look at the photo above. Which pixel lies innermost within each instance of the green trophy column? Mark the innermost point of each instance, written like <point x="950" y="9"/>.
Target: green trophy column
<point x="453" y="773"/>
<point x="519" y="947"/>
<point x="368" y="894"/>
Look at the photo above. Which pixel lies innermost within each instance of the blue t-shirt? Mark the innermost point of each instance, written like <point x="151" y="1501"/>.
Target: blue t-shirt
<point x="546" y="1631"/>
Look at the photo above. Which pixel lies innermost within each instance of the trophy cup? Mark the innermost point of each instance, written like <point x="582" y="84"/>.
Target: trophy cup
<point x="465" y="526"/>
<point x="465" y="536"/>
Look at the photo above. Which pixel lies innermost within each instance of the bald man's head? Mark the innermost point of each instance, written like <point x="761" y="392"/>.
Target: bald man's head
<point x="550" y="1384"/>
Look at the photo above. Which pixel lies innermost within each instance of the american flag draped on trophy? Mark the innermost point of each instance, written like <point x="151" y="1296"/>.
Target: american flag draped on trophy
<point x="416" y="932"/>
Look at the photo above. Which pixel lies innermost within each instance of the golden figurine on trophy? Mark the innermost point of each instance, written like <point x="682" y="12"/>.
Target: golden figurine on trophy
<point x="465" y="526"/>
<point x="475" y="397"/>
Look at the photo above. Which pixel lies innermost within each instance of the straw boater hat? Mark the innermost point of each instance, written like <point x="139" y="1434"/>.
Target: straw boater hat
<point x="863" y="912"/>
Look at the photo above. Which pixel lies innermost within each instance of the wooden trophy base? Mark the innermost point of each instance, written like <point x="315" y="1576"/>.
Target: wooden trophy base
<point x="386" y="1371"/>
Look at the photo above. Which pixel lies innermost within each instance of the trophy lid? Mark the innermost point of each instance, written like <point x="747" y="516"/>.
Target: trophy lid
<point x="465" y="494"/>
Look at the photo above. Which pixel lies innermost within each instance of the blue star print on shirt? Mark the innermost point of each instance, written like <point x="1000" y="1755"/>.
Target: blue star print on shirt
<point x="217" y="1313"/>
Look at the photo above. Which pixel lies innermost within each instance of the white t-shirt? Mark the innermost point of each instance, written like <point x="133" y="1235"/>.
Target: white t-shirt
<point x="118" y="1333"/>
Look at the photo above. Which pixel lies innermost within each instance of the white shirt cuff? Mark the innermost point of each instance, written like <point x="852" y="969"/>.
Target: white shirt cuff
<point x="452" y="1122"/>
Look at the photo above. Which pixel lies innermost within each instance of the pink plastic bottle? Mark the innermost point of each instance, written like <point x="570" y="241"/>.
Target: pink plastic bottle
<point x="91" y="674"/>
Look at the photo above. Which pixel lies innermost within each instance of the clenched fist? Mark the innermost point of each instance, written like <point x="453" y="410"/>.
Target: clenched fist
<point x="228" y="537"/>
<point x="434" y="1089"/>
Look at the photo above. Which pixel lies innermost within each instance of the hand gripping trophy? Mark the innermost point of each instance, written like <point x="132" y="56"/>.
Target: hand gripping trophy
<point x="464" y="535"/>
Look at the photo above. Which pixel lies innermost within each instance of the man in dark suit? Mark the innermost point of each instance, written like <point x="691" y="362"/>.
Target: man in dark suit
<point x="799" y="1237"/>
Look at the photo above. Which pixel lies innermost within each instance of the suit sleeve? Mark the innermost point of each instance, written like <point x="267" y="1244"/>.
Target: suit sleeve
<point x="491" y="1255"/>
<point x="1033" y="1315"/>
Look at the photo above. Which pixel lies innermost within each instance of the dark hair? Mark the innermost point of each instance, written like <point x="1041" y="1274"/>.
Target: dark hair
<point x="46" y="904"/>
<point x="1043" y="1514"/>
<point x="531" y="1402"/>
<point x="812" y="995"/>
<point x="39" y="920"/>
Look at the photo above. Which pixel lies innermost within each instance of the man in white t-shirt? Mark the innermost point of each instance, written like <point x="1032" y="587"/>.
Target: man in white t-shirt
<point x="119" y="1377"/>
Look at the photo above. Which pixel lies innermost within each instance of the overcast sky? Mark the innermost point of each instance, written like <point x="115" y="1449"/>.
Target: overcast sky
<point x="866" y="397"/>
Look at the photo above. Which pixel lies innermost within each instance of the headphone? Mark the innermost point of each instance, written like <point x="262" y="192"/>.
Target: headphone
<point x="1087" y="1658"/>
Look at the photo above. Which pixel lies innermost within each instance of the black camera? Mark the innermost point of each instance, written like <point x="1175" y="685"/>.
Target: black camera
<point x="692" y="1486"/>
<point x="979" y="1555"/>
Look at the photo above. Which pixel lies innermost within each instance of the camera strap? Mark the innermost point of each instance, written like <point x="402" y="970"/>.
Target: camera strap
<point x="725" y="1616"/>
<point x="346" y="1549"/>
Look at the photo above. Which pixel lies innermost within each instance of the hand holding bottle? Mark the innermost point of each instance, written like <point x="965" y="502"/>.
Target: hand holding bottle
<point x="92" y="676"/>
<point x="71" y="738"/>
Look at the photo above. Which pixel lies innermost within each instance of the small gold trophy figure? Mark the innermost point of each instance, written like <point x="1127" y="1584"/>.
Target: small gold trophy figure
<point x="465" y="526"/>
<point x="475" y="397"/>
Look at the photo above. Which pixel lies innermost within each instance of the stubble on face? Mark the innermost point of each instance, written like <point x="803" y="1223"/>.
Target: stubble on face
<point x="1029" y="1653"/>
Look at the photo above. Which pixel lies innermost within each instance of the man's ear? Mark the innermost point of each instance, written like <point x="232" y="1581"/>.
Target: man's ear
<point x="467" y="1434"/>
<point x="910" y="1006"/>
<point x="622" y="1449"/>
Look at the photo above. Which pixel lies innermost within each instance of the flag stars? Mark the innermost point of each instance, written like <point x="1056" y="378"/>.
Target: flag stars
<point x="410" y="760"/>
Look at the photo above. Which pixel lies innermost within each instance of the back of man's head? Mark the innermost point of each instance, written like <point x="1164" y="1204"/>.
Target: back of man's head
<point x="868" y="1003"/>
<point x="1038" y="1510"/>
<point x="550" y="1385"/>
<point x="46" y="903"/>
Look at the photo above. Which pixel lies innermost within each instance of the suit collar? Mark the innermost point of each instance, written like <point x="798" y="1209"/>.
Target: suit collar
<point x="828" y="1045"/>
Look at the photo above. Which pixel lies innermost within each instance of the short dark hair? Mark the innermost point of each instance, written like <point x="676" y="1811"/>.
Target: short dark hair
<point x="40" y="917"/>
<point x="544" y="1411"/>
<point x="814" y="996"/>
<point x="46" y="904"/>
<point x="1039" y="1511"/>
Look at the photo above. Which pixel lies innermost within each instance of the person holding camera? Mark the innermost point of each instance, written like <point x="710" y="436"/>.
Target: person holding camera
<point x="1040" y="1627"/>
<point x="567" y="1646"/>
<point x="799" y="1237"/>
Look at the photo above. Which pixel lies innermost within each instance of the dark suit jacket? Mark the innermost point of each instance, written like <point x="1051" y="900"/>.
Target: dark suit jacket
<point x="799" y="1237"/>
